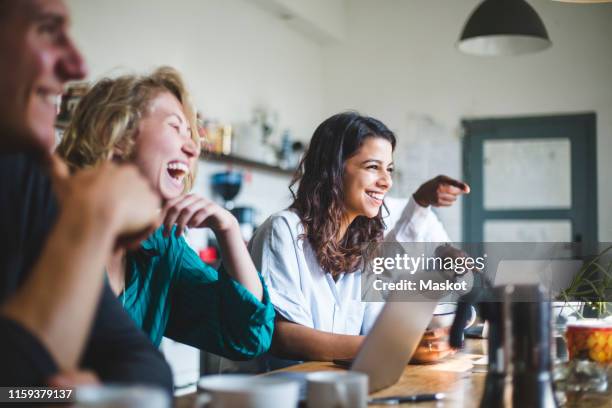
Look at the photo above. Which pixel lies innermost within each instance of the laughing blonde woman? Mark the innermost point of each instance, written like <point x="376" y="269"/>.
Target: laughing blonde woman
<point x="164" y="286"/>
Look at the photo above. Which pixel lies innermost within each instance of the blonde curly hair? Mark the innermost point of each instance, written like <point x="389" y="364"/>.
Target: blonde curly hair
<point x="105" y="122"/>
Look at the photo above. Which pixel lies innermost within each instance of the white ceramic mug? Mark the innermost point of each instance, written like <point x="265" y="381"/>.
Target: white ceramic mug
<point x="247" y="391"/>
<point x="337" y="389"/>
<point x="120" y="396"/>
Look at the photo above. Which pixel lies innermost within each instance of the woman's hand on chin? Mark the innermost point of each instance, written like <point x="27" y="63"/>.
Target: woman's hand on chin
<point x="196" y="212"/>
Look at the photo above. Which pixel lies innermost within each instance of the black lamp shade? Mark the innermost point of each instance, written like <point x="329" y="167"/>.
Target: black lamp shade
<point x="503" y="27"/>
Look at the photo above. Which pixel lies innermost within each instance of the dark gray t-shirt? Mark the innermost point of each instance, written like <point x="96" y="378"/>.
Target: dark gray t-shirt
<point x="116" y="350"/>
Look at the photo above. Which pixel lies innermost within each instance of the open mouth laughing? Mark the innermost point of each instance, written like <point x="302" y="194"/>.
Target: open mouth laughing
<point x="177" y="171"/>
<point x="376" y="197"/>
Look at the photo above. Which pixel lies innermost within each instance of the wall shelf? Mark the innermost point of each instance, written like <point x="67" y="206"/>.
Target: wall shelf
<point x="241" y="161"/>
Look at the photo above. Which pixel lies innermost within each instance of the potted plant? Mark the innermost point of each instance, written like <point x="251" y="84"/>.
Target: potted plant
<point x="592" y="286"/>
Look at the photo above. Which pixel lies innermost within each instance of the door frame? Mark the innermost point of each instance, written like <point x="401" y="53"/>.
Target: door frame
<point x="580" y="129"/>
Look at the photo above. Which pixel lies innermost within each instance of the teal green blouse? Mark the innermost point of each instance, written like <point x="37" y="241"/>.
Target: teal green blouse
<point x="171" y="292"/>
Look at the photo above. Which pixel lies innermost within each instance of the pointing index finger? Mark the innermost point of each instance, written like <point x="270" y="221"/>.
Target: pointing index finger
<point x="459" y="184"/>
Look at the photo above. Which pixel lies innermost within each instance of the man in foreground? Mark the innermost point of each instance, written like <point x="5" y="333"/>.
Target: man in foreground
<point x="60" y="322"/>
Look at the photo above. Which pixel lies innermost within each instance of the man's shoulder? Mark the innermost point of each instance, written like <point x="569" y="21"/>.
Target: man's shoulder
<point x="23" y="171"/>
<point x="28" y="210"/>
<point x="21" y="160"/>
<point x="25" y="182"/>
<point x="14" y="161"/>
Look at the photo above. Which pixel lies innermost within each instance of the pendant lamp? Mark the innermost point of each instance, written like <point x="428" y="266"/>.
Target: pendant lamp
<point x="503" y="27"/>
<point x="584" y="1"/>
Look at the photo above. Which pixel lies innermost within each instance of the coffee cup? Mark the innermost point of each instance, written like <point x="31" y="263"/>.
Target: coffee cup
<point x="337" y="389"/>
<point x="120" y="396"/>
<point x="246" y="391"/>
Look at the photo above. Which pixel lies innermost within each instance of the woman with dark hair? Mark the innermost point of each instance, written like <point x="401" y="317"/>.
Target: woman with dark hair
<point x="310" y="254"/>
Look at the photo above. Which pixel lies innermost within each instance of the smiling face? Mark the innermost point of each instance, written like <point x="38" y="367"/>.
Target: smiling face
<point x="165" y="151"/>
<point x="367" y="178"/>
<point x="37" y="57"/>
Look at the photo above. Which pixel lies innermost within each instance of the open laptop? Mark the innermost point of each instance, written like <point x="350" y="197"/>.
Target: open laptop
<point x="392" y="341"/>
<point x="389" y="345"/>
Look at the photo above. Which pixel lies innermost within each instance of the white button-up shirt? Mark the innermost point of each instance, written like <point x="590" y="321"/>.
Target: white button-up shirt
<point x="302" y="292"/>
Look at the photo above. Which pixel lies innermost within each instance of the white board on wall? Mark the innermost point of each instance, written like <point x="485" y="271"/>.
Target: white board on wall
<point x="427" y="149"/>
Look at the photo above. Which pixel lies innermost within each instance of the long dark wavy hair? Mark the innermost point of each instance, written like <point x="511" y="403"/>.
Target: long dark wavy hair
<point x="319" y="199"/>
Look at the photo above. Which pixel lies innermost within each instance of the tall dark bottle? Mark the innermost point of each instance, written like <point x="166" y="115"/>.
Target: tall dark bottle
<point x="519" y="373"/>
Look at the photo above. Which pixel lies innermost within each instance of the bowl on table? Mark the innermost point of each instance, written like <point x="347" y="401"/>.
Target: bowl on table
<point x="434" y="345"/>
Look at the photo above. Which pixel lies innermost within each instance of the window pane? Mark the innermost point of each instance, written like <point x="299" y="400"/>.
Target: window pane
<point x="527" y="174"/>
<point x="528" y="231"/>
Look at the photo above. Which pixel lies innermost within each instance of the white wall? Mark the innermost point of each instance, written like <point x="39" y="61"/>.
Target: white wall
<point x="399" y="63"/>
<point x="233" y="55"/>
<point x="322" y="20"/>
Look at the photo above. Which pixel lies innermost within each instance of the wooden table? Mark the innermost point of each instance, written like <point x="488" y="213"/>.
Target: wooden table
<point x="453" y="377"/>
<point x="456" y="377"/>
